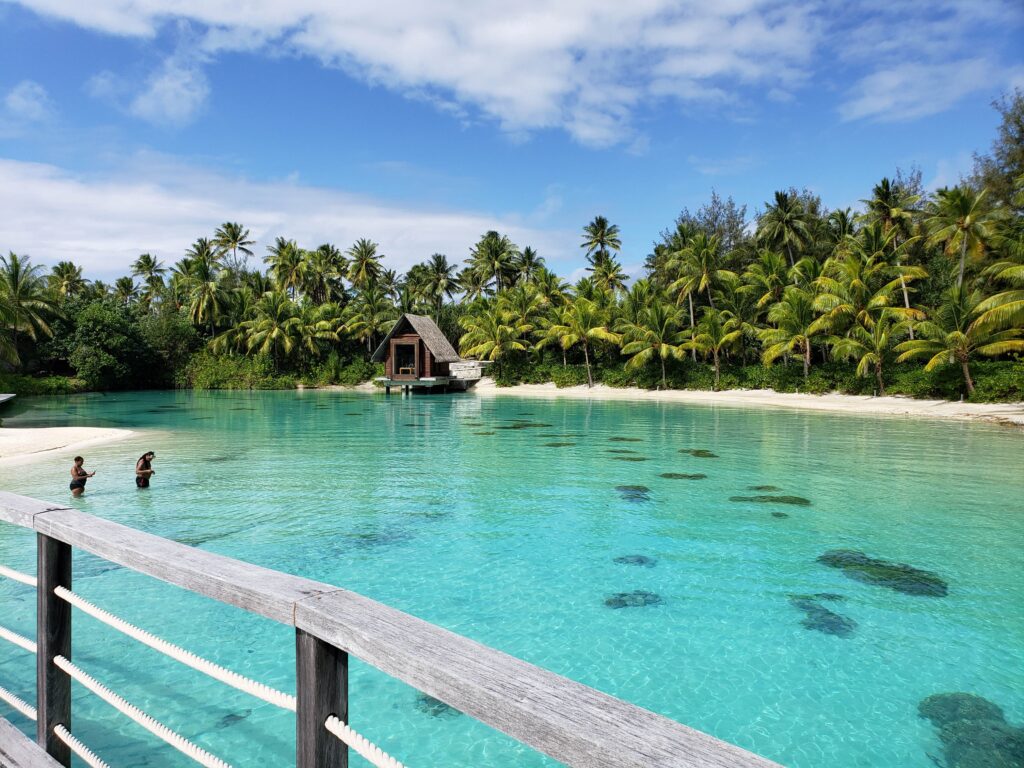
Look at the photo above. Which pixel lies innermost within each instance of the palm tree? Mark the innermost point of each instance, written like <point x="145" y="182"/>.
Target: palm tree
<point x="581" y="322"/>
<point x="716" y="332"/>
<point x="232" y="236"/>
<point x="151" y="270"/>
<point x="364" y="263"/>
<point x="701" y="269"/>
<point x="24" y="304"/>
<point x="520" y="307"/>
<point x="528" y="265"/>
<point x="959" y="220"/>
<point x="609" y="275"/>
<point x="768" y="276"/>
<point x="656" y="333"/>
<point x="472" y="284"/>
<point x="551" y="289"/>
<point x="784" y="224"/>
<point x="495" y="257"/>
<point x="275" y="328"/>
<point x="66" y="281"/>
<point x="796" y="325"/>
<point x="125" y="290"/>
<point x="287" y="265"/>
<point x="599" y="238"/>
<point x="870" y="347"/>
<point x="488" y="336"/>
<point x="439" y="281"/>
<point x="955" y="335"/>
<point x="894" y="209"/>
<point x="321" y="277"/>
<point x="370" y="314"/>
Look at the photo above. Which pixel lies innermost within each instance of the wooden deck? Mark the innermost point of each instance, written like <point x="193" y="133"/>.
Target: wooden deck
<point x="18" y="751"/>
<point x="566" y="720"/>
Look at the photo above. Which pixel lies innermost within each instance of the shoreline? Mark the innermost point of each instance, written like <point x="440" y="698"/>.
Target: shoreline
<point x="1010" y="414"/>
<point x="27" y="444"/>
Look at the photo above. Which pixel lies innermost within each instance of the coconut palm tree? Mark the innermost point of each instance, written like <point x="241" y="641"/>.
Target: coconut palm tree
<point x="275" y="328"/>
<point x="473" y="284"/>
<point x="609" y="275"/>
<point x="701" y="267"/>
<point x="580" y="322"/>
<point x="600" y="238"/>
<point x="439" y="281"/>
<point x="494" y="257"/>
<point x="955" y="335"/>
<point x="321" y="276"/>
<point x="520" y="306"/>
<point x="894" y="208"/>
<point x="528" y="265"/>
<point x="784" y="224"/>
<point x="960" y="220"/>
<point x="65" y="280"/>
<point x="151" y="270"/>
<point x="489" y="336"/>
<point x="24" y="304"/>
<point x="369" y="315"/>
<point x="287" y="265"/>
<point x="232" y="236"/>
<point x="716" y="332"/>
<point x="796" y="324"/>
<point x="656" y="333"/>
<point x="551" y="289"/>
<point x="125" y="290"/>
<point x="870" y="346"/>
<point x="364" y="263"/>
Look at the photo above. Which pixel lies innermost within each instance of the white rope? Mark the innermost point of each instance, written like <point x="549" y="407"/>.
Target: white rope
<point x="14" y="637"/>
<point x="87" y="755"/>
<point x="361" y="744"/>
<point x="155" y="727"/>
<point x="26" y="709"/>
<point x="24" y="578"/>
<point x="217" y="672"/>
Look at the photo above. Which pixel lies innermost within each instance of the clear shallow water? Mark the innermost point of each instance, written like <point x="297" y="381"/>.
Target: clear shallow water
<point x="512" y="541"/>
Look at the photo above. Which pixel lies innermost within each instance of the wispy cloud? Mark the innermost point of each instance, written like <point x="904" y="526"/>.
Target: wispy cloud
<point x="725" y="166"/>
<point x="25" y="107"/>
<point x="529" y="65"/>
<point x="159" y="205"/>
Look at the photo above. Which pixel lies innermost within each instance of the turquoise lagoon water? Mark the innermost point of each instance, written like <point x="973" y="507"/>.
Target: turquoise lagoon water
<point x="509" y="536"/>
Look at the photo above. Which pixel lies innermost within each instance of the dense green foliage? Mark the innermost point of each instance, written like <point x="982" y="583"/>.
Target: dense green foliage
<point x="917" y="293"/>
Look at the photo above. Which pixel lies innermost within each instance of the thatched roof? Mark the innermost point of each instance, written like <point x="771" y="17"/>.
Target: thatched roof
<point x="426" y="329"/>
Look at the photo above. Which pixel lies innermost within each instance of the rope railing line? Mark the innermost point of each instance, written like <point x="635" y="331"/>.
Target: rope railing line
<point x="361" y="744"/>
<point x="87" y="755"/>
<point x="14" y="575"/>
<point x="152" y="725"/>
<point x="26" y="709"/>
<point x="13" y="637"/>
<point x="217" y="672"/>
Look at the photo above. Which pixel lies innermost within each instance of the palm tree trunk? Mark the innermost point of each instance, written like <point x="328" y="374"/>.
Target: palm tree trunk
<point x="967" y="377"/>
<point x="880" y="380"/>
<point x="807" y="357"/>
<point x="564" y="362"/>
<point x="789" y="250"/>
<point x="664" y="382"/>
<point x="718" y="369"/>
<point x="963" y="261"/>
<point x="693" y="350"/>
<point x="710" y="300"/>
<point x="586" y="357"/>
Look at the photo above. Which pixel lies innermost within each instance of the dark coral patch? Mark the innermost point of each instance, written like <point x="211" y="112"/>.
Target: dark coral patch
<point x="945" y="708"/>
<point x="629" y="458"/>
<point x="524" y="425"/>
<point x="780" y="515"/>
<point x="642" y="560"/>
<point x="374" y="539"/>
<point x="700" y="453"/>
<point x="820" y="619"/>
<point x="682" y="476"/>
<point x="428" y="705"/>
<point x="882" y="573"/>
<point x="982" y="744"/>
<point x="638" y="598"/>
<point x="625" y="440"/>
<point x="634" y="492"/>
<point x="483" y="433"/>
<point x="619" y="450"/>
<point x="798" y="501"/>
<point x="234" y="717"/>
<point x="769" y="488"/>
<point x="558" y="445"/>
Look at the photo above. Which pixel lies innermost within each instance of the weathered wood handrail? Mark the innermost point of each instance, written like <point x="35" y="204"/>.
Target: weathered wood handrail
<point x="566" y="720"/>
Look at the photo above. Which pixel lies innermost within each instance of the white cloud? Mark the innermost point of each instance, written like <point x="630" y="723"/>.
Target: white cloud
<point x="160" y="206"/>
<point x="910" y="91"/>
<point x="173" y="95"/>
<point x="28" y="101"/>
<point x="726" y="166"/>
<point x="580" y="65"/>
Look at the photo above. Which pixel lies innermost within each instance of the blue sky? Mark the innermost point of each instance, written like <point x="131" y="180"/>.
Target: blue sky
<point x="138" y="125"/>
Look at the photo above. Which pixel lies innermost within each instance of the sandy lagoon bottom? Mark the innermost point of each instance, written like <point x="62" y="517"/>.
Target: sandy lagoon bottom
<point x="671" y="555"/>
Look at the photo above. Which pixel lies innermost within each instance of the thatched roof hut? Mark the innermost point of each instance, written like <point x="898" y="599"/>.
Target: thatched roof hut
<point x="415" y="348"/>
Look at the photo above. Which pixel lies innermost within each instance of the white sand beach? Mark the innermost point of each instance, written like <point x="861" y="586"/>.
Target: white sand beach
<point x="1003" y="413"/>
<point x="30" y="443"/>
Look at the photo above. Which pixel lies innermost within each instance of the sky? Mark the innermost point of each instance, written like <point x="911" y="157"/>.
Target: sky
<point x="131" y="126"/>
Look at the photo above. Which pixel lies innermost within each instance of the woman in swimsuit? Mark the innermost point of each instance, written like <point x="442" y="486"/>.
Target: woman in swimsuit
<point x="144" y="469"/>
<point x="79" y="476"/>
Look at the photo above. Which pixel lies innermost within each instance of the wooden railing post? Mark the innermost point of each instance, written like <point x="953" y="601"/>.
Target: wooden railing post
<point x="53" y="638"/>
<point x="321" y="687"/>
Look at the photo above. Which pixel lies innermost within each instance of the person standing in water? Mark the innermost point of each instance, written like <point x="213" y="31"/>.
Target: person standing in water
<point x="144" y="469"/>
<point x="79" y="476"/>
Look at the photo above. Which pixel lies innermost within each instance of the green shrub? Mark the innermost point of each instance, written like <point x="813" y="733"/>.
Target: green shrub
<point x="209" y="371"/>
<point x="109" y="351"/>
<point x="18" y="384"/>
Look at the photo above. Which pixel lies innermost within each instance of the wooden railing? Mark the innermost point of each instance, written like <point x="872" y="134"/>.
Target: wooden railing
<point x="565" y="720"/>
